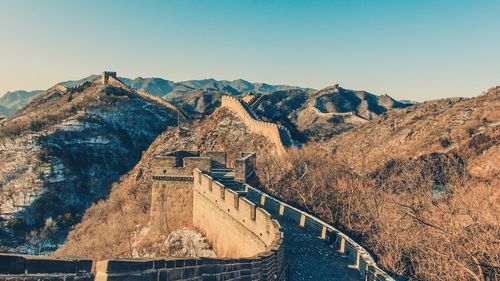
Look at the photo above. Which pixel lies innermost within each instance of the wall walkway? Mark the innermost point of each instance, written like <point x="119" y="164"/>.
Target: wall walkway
<point x="309" y="240"/>
<point x="278" y="135"/>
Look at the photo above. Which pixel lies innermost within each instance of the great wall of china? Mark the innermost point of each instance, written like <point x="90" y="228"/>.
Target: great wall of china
<point x="255" y="236"/>
<point x="278" y="135"/>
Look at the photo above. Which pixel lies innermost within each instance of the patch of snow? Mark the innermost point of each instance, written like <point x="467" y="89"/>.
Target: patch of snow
<point x="56" y="172"/>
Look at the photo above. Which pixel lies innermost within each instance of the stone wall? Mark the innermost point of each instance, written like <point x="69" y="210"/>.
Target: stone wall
<point x="251" y="230"/>
<point x="244" y="167"/>
<point x="106" y="75"/>
<point x="278" y="135"/>
<point x="171" y="205"/>
<point x="246" y="239"/>
<point x="340" y="242"/>
<point x="25" y="267"/>
<point x="263" y="268"/>
<point x="218" y="157"/>
<point x="172" y="189"/>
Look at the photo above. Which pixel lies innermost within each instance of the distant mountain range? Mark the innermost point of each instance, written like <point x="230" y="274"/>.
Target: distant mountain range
<point x="319" y="115"/>
<point x="169" y="90"/>
<point x="308" y="113"/>
<point x="11" y="102"/>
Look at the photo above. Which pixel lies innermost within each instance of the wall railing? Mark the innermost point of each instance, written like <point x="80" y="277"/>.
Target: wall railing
<point x="356" y="254"/>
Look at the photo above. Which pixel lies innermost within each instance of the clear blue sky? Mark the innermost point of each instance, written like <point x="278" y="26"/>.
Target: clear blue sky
<point x="409" y="49"/>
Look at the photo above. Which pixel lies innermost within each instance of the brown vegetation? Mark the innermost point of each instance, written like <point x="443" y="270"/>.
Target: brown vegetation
<point x="422" y="207"/>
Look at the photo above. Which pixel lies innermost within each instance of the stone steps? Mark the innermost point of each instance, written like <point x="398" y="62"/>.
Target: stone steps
<point x="225" y="176"/>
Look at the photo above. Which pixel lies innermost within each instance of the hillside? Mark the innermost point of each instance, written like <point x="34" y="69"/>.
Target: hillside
<point x="439" y="126"/>
<point x="63" y="151"/>
<point x="418" y="186"/>
<point x="322" y="114"/>
<point x="417" y="200"/>
<point x="199" y="102"/>
<point x="98" y="235"/>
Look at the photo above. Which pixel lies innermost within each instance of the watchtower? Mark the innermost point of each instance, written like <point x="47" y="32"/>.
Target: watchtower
<point x="105" y="76"/>
<point x="172" y="190"/>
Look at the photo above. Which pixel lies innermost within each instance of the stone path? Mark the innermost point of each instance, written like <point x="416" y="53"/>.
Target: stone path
<point x="308" y="257"/>
<point x="311" y="258"/>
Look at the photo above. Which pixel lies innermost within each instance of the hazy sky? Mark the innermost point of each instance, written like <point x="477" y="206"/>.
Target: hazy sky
<point x="419" y="50"/>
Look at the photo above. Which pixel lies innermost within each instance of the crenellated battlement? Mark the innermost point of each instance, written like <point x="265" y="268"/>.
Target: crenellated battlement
<point x="277" y="134"/>
<point x="106" y="75"/>
<point x="236" y="215"/>
<point x="179" y="164"/>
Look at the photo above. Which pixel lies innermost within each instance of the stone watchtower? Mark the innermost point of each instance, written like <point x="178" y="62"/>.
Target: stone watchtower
<point x="172" y="190"/>
<point x="105" y="76"/>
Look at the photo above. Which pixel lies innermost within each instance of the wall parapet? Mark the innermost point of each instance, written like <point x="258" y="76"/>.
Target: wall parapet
<point x="257" y="268"/>
<point x="256" y="220"/>
<point x="179" y="164"/>
<point x="244" y="167"/>
<point x="359" y="256"/>
<point x="263" y="236"/>
<point x="277" y="134"/>
<point x="27" y="267"/>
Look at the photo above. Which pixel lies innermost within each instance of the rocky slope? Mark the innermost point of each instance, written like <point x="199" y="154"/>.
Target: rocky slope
<point x="99" y="236"/>
<point x="322" y="114"/>
<point x="199" y="102"/>
<point x="440" y="126"/>
<point x="63" y="151"/>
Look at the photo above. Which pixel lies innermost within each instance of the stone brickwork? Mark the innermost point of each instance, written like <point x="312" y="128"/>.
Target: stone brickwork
<point x="218" y="208"/>
<point x="172" y="189"/>
<point x="171" y="205"/>
<point x="262" y="267"/>
<point x="244" y="167"/>
<point x="24" y="267"/>
<point x="218" y="157"/>
<point x="180" y="164"/>
<point x="278" y="135"/>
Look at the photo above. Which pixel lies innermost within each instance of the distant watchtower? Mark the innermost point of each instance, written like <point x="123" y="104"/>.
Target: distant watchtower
<point x="105" y="76"/>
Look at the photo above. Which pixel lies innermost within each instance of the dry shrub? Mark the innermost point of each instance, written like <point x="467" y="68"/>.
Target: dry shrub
<point x="424" y="218"/>
<point x="110" y="225"/>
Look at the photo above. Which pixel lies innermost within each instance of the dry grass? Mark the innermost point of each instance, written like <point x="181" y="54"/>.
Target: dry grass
<point x="418" y="202"/>
<point x="453" y="236"/>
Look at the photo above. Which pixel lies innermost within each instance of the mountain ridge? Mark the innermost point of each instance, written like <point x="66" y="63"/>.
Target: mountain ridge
<point x="67" y="147"/>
